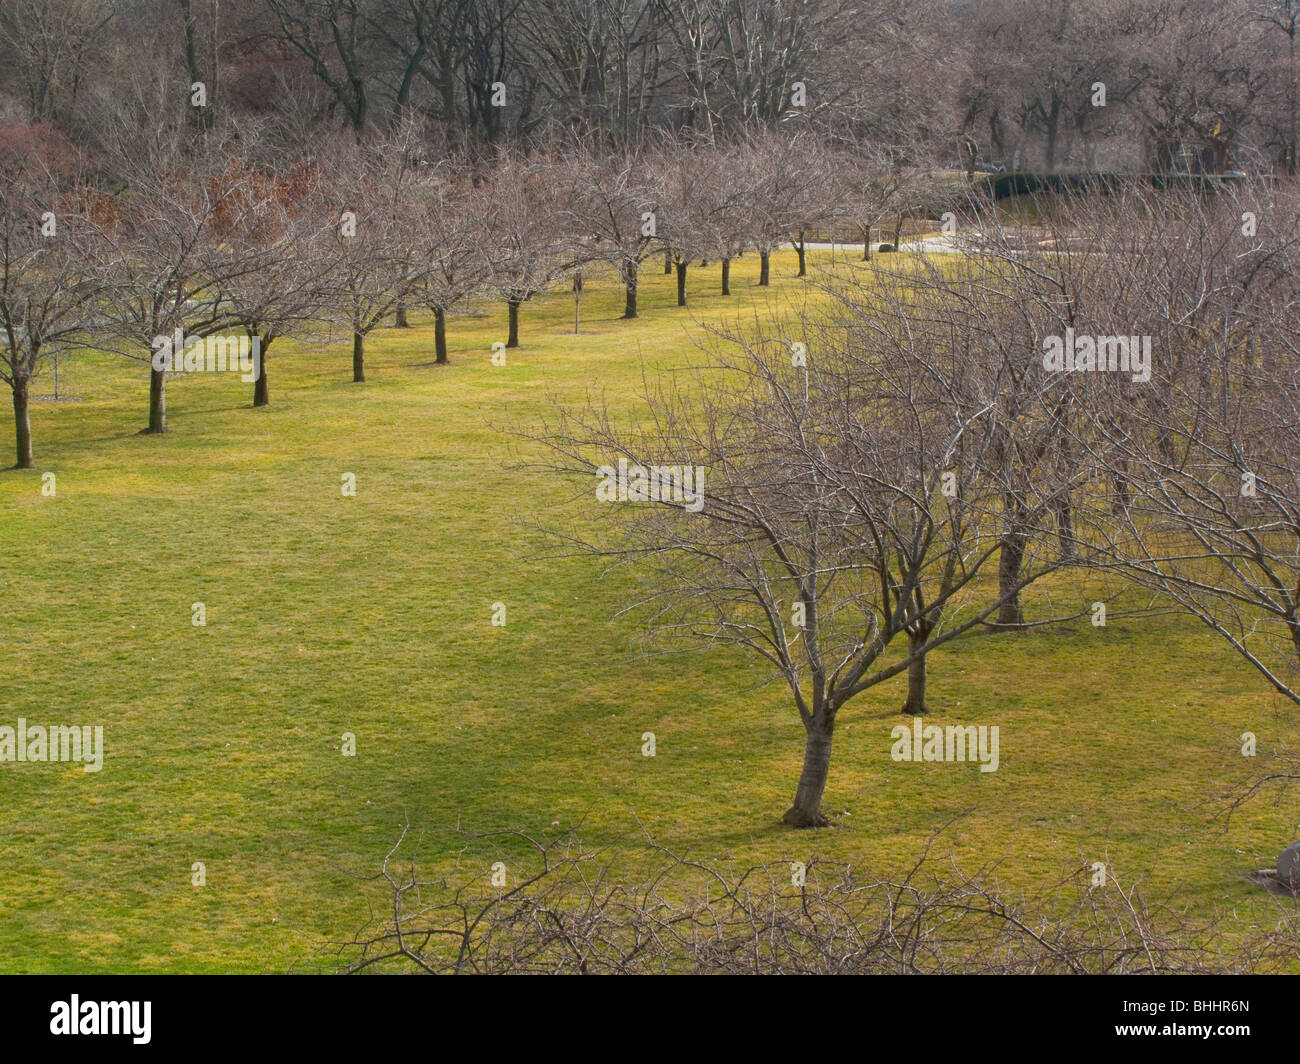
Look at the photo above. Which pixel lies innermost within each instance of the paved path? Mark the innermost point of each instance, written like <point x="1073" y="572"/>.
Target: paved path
<point x="929" y="245"/>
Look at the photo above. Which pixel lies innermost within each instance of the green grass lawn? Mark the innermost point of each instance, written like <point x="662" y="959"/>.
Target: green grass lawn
<point x="371" y="615"/>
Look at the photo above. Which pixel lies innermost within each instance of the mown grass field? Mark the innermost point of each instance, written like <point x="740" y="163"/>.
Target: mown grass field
<point x="371" y="615"/>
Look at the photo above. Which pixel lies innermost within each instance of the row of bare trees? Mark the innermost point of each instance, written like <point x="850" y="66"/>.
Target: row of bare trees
<point x="340" y="242"/>
<point x="889" y="468"/>
<point x="893" y="465"/>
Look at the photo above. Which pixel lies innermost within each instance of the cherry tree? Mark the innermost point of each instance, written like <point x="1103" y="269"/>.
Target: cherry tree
<point x="47" y="293"/>
<point x="521" y="202"/>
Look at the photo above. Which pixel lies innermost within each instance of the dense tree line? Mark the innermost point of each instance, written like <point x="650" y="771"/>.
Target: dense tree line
<point x="1039" y="84"/>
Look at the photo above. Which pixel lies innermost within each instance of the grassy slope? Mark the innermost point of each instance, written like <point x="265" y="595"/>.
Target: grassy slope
<point x="370" y="615"/>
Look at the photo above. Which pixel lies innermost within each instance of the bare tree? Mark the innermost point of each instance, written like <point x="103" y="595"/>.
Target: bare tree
<point x="1203" y="463"/>
<point x="51" y="40"/>
<point x="615" y="199"/>
<point x="163" y="266"/>
<point x="330" y="35"/>
<point x="801" y="508"/>
<point x="374" y="266"/>
<point x="781" y="177"/>
<point x="448" y="234"/>
<point x="47" y="294"/>
<point x="704" y="208"/>
<point x="870" y="181"/>
<point x="273" y="226"/>
<point x="1283" y="16"/>
<point x="594" y="62"/>
<point x="521" y="202"/>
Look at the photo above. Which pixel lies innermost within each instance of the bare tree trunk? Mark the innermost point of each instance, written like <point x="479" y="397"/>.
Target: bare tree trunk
<point x="199" y="117"/>
<point x="261" y="388"/>
<point x="22" y="423"/>
<point x="803" y="256"/>
<point x="668" y="261"/>
<point x="440" y="335"/>
<point x="157" y="402"/>
<point x="629" y="286"/>
<point x="213" y="37"/>
<point x="764" y="267"/>
<point x="358" y="357"/>
<point x="1123" y="491"/>
<point x="866" y="243"/>
<point x="1065" y="528"/>
<point x="681" y="283"/>
<point x="1011" y="558"/>
<point x="513" y="339"/>
<point x="1291" y="105"/>
<point x="915" y="704"/>
<point x="726" y="277"/>
<point x="807" y="809"/>
<point x="401" y="321"/>
<point x="1053" y="120"/>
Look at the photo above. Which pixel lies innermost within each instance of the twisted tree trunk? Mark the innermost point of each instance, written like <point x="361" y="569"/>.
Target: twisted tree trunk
<point x="806" y="812"/>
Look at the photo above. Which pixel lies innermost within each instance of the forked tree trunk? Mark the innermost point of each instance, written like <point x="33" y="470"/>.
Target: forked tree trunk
<point x="512" y="340"/>
<point x="440" y="335"/>
<point x="807" y="809"/>
<point x="726" y="277"/>
<point x="157" y="402"/>
<point x="764" y="267"/>
<point x="358" y="357"/>
<point x="681" y="283"/>
<point x="22" y="423"/>
<point x="629" y="287"/>
<point x="803" y="256"/>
